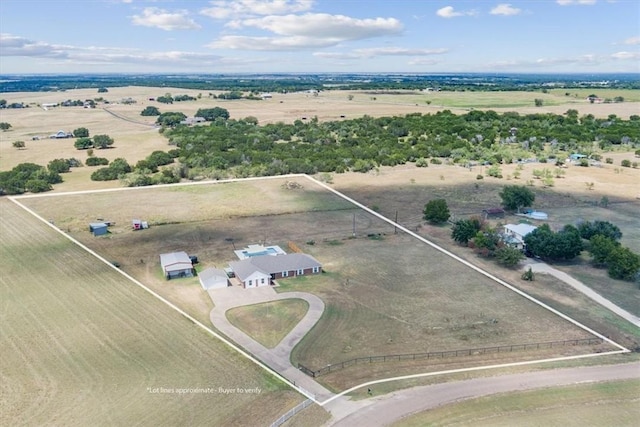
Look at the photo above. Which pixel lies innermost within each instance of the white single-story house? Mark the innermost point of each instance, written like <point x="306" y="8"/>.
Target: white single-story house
<point x="61" y="134"/>
<point x="176" y="264"/>
<point x="514" y="234"/>
<point x="193" y="120"/>
<point x="213" y="278"/>
<point x="263" y="269"/>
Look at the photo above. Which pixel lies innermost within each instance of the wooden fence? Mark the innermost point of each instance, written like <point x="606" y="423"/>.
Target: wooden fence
<point x="446" y="354"/>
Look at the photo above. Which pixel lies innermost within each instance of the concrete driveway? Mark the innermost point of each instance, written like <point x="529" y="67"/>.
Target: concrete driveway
<point x="277" y="358"/>
<point x="541" y="267"/>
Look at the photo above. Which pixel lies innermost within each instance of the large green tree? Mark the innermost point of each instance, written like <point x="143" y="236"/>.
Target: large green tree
<point x="545" y="243"/>
<point x="590" y="229"/>
<point x="465" y="230"/>
<point x="623" y="264"/>
<point x="515" y="197"/>
<point x="508" y="256"/>
<point x="150" y="111"/>
<point x="102" y="141"/>
<point x="436" y="211"/>
<point x="601" y="247"/>
<point x="210" y="114"/>
<point x="81" y="132"/>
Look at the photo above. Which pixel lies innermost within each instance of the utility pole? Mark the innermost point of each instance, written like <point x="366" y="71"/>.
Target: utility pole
<point x="395" y="227"/>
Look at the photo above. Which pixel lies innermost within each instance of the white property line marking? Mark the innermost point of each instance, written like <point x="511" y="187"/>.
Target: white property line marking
<point x="468" y="264"/>
<point x="170" y="304"/>
<point x="361" y="206"/>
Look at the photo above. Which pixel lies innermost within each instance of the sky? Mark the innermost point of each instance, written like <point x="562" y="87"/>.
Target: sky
<point x="314" y="36"/>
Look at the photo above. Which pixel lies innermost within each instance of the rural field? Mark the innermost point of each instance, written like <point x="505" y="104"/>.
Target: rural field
<point x="608" y="403"/>
<point x="83" y="343"/>
<point x="89" y="343"/>
<point x="385" y="293"/>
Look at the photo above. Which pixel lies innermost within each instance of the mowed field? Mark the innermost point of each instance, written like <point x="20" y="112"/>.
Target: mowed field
<point x="385" y="293"/>
<point x="81" y="344"/>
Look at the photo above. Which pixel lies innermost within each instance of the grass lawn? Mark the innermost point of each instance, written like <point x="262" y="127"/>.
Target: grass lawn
<point x="84" y="345"/>
<point x="269" y="322"/>
<point x="612" y="403"/>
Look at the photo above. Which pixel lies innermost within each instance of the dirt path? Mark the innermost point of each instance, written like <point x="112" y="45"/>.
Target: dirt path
<point x="541" y="267"/>
<point x="116" y="115"/>
<point x="387" y="409"/>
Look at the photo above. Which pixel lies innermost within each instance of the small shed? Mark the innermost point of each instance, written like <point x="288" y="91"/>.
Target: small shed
<point x="493" y="213"/>
<point x="99" y="228"/>
<point x="138" y="224"/>
<point x="213" y="278"/>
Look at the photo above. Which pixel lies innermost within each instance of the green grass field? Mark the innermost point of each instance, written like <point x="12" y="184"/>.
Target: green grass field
<point x="81" y="344"/>
<point x="600" y="404"/>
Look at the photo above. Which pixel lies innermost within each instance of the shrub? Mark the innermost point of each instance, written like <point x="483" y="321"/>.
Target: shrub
<point x="479" y="176"/>
<point x="435" y="161"/>
<point x="584" y="163"/>
<point x="422" y="162"/>
<point x="609" y="160"/>
<point x="96" y="161"/>
<point x="626" y="163"/>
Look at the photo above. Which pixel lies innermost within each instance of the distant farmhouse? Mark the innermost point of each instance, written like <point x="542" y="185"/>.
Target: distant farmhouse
<point x="61" y="134"/>
<point x="189" y="121"/>
<point x="176" y="264"/>
<point x="514" y="234"/>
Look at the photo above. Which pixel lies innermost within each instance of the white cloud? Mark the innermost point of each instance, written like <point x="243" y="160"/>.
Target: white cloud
<point x="423" y="61"/>
<point x="306" y="31"/>
<point x="324" y="25"/>
<point x="271" y="43"/>
<point x="450" y="12"/>
<point x="505" y="9"/>
<point x="160" y="18"/>
<point x="576" y="2"/>
<point x="227" y="9"/>
<point x="626" y="55"/>
<point x="632" y="40"/>
<point x="11" y="45"/>
<point x="379" y="51"/>
<point x="398" y="51"/>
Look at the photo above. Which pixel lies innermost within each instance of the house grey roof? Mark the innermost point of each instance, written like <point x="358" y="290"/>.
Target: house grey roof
<point x="175" y="261"/>
<point x="269" y="264"/>
<point x="520" y="229"/>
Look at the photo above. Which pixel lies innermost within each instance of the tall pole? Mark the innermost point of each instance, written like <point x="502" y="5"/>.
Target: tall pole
<point x="395" y="227"/>
<point x="354" y="225"/>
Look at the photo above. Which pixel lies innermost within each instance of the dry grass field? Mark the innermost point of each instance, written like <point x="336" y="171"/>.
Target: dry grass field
<point x="269" y="322"/>
<point x="385" y="293"/>
<point x="75" y="322"/>
<point x="600" y="404"/>
<point x="82" y="345"/>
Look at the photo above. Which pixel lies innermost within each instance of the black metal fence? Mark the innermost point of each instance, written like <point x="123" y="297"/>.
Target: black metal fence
<point x="447" y="354"/>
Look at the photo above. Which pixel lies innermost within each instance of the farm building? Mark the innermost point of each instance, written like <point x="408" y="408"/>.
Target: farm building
<point x="176" y="264"/>
<point x="99" y="228"/>
<point x="213" y="278"/>
<point x="138" y="224"/>
<point x="260" y="270"/>
<point x="514" y="234"/>
<point x="493" y="213"/>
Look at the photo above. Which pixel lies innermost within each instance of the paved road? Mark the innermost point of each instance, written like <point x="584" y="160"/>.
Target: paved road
<point x="387" y="409"/>
<point x="541" y="267"/>
<point x="277" y="358"/>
